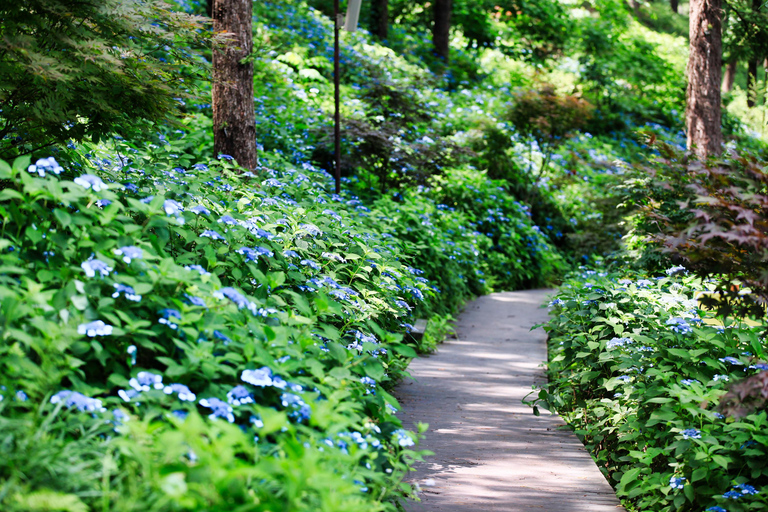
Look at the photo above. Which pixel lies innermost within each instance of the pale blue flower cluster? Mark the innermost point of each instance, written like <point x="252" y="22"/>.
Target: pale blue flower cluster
<point x="127" y="291"/>
<point x="44" y="165"/>
<point x="96" y="328"/>
<point x="679" y="325"/>
<point x="89" y="181"/>
<point x="78" y="400"/>
<point x="91" y="267"/>
<point x="402" y="438"/>
<point x="691" y="433"/>
<point x="129" y="253"/>
<point x="677" y="482"/>
<point x="617" y="342"/>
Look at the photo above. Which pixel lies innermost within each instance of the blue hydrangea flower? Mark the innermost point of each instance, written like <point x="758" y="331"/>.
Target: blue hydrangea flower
<point x="311" y="229"/>
<point x="185" y="395"/>
<point x="299" y="409"/>
<point x="96" y="328"/>
<point x="691" y="433"/>
<point x="198" y="269"/>
<point x="199" y="209"/>
<point x="557" y="303"/>
<point x="679" y="325"/>
<point x="129" y="253"/>
<point x="239" y="395"/>
<point x="172" y="207"/>
<point x="617" y="342"/>
<point x="253" y="254"/>
<point x="370" y="383"/>
<point x="402" y="438"/>
<point x="127" y="291"/>
<point x="677" y="482"/>
<point x="144" y="381"/>
<point x="219" y="408"/>
<point x="91" y="267"/>
<point x="731" y="360"/>
<point x="228" y="220"/>
<point x="44" y="165"/>
<point x="311" y="264"/>
<point x="236" y="297"/>
<point x="689" y="382"/>
<point x="746" y="489"/>
<point x="644" y="283"/>
<point x="209" y="233"/>
<point x="733" y="495"/>
<point x="261" y="377"/>
<point x="223" y="156"/>
<point x="272" y="182"/>
<point x="290" y="254"/>
<point x="78" y="400"/>
<point x="196" y="301"/>
<point x="167" y="317"/>
<point x="89" y="181"/>
<point x="256" y="421"/>
<point x="278" y="382"/>
<point x="675" y="270"/>
<point x="200" y="167"/>
<point x="716" y="509"/>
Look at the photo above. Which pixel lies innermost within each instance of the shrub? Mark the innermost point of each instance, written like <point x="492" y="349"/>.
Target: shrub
<point x="638" y="370"/>
<point x="710" y="217"/>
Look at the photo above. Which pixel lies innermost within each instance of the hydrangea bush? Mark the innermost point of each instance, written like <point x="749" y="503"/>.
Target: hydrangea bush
<point x="191" y="337"/>
<point x="638" y="371"/>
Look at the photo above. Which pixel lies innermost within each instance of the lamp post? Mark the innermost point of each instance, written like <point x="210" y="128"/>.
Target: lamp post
<point x="353" y="14"/>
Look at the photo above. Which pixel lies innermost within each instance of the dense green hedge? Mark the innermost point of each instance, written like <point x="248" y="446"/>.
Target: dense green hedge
<point x="639" y="372"/>
<point x="145" y="295"/>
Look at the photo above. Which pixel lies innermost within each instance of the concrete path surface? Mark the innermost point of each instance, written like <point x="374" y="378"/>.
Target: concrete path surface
<point x="491" y="452"/>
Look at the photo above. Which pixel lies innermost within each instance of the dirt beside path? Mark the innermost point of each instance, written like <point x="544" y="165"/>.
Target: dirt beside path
<point x="491" y="452"/>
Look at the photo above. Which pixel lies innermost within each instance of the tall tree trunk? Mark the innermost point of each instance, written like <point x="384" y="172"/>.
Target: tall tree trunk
<point x="730" y="75"/>
<point x="751" y="82"/>
<point x="674" y="4"/>
<point x="703" y="120"/>
<point x="234" y="130"/>
<point x="379" y="25"/>
<point x="441" y="30"/>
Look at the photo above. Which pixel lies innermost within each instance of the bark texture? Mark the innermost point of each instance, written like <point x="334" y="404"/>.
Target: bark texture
<point x="730" y="75"/>
<point x="441" y="29"/>
<point x="234" y="130"/>
<point x="380" y="19"/>
<point x="703" y="119"/>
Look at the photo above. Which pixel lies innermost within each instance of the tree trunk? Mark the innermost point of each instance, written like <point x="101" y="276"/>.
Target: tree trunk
<point x="442" y="27"/>
<point x="674" y="5"/>
<point x="234" y="130"/>
<point x="730" y="75"/>
<point x="751" y="82"/>
<point x="703" y="120"/>
<point x="380" y="19"/>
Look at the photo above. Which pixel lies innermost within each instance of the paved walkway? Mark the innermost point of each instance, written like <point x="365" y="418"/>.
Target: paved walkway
<point x="491" y="452"/>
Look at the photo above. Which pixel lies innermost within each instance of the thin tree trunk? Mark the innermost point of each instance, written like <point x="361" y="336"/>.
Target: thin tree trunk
<point x="380" y="19"/>
<point x="730" y="75"/>
<point x="703" y="119"/>
<point x="751" y="82"/>
<point x="234" y="130"/>
<point x="442" y="28"/>
<point x="674" y="4"/>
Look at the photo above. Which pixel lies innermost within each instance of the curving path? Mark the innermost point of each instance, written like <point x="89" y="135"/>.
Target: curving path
<point x="491" y="452"/>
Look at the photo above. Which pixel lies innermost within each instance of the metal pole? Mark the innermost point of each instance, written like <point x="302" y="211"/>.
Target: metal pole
<point x="337" y="116"/>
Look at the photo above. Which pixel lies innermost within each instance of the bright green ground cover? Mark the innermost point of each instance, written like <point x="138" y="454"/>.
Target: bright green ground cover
<point x="638" y="371"/>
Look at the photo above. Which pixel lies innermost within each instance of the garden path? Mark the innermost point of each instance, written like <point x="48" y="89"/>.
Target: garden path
<point x="491" y="452"/>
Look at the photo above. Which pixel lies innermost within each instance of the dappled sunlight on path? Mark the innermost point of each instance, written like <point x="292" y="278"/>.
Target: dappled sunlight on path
<point x="491" y="452"/>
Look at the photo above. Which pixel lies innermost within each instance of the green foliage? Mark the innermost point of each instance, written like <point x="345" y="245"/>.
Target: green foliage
<point x="270" y="276"/>
<point x="637" y="370"/>
<point x="88" y="69"/>
<point x="708" y="216"/>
